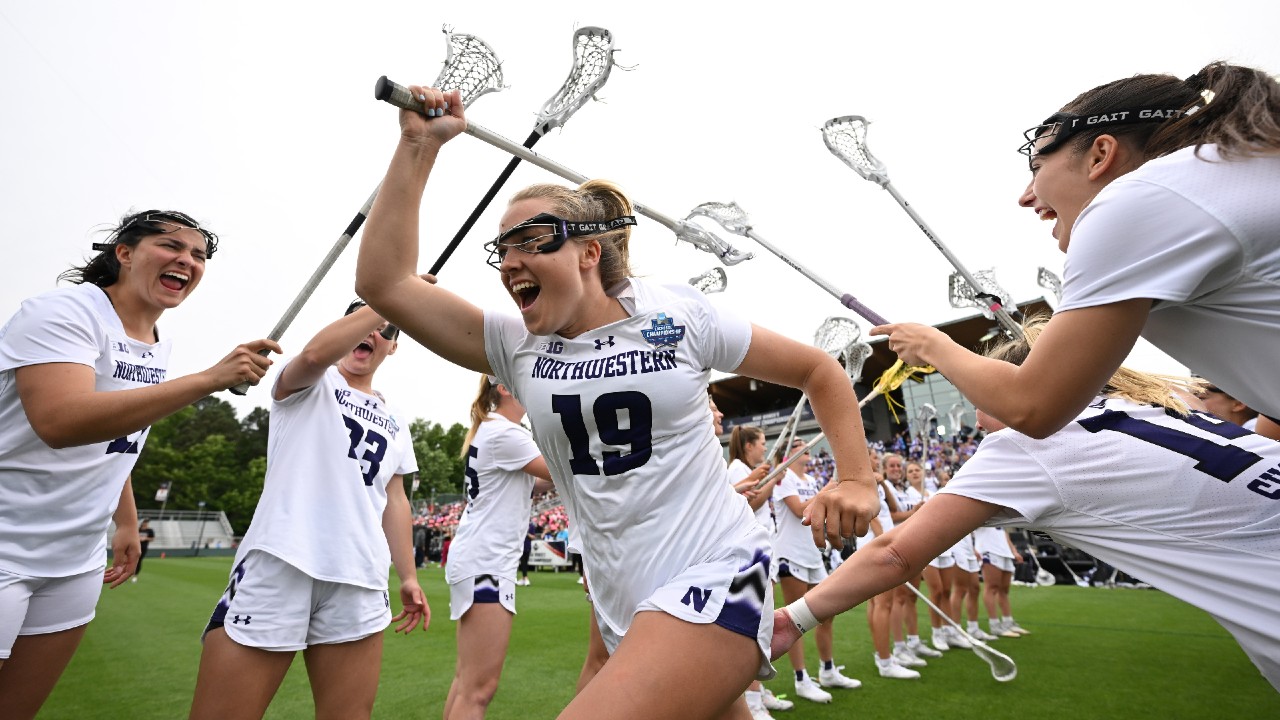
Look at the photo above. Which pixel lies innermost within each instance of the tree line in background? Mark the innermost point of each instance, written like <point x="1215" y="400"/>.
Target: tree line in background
<point x="208" y="454"/>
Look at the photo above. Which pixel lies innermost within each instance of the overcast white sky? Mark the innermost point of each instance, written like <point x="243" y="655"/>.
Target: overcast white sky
<point x="258" y="119"/>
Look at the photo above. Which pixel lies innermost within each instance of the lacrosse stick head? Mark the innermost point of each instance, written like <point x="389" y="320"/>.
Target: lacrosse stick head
<point x="955" y="416"/>
<point x="712" y="281"/>
<point x="1047" y="280"/>
<point x="1044" y="578"/>
<point x="471" y="67"/>
<point x="1003" y="668"/>
<point x="963" y="295"/>
<point x="855" y="357"/>
<point x="710" y="242"/>
<point x="592" y="61"/>
<point x="836" y="335"/>
<point x="731" y="217"/>
<point x="846" y="138"/>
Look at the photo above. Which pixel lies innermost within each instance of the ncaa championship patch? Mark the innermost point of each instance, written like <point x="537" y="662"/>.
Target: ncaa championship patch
<point x="663" y="332"/>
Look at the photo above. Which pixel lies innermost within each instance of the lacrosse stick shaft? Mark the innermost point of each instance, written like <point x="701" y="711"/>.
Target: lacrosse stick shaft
<point x="482" y="206"/>
<point x="845" y="299"/>
<point x="788" y="430"/>
<point x="1002" y="316"/>
<point x="399" y="96"/>
<point x="774" y="473"/>
<point x="313" y="282"/>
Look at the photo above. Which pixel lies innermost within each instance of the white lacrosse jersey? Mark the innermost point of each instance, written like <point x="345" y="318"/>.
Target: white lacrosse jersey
<point x="56" y="505"/>
<point x="1201" y="236"/>
<point x="621" y="416"/>
<point x="331" y="451"/>
<point x="1191" y="506"/>
<point x="738" y="471"/>
<point x="992" y="541"/>
<point x="792" y="539"/>
<point x="491" y="532"/>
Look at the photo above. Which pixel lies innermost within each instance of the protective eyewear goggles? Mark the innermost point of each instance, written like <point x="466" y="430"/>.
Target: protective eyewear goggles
<point x="162" y="223"/>
<point x="559" y="229"/>
<point x="1054" y="132"/>
<point x="388" y="331"/>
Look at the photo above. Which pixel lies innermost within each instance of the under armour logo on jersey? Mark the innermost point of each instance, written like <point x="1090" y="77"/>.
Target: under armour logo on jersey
<point x="147" y="354"/>
<point x="697" y="597"/>
<point x="600" y="344"/>
<point x="236" y="620"/>
<point x="371" y="403"/>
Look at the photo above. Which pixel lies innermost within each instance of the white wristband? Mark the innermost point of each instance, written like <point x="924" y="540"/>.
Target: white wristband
<point x="802" y="616"/>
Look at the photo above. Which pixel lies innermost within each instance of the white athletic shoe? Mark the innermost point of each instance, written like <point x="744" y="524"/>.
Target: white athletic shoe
<point x="940" y="641"/>
<point x="834" y="679"/>
<point x="982" y="635"/>
<point x="773" y="702"/>
<point x="906" y="658"/>
<point x="956" y="640"/>
<point x="759" y="713"/>
<point x="809" y="690"/>
<point x="1013" y="626"/>
<point x="895" y="671"/>
<point x="921" y="650"/>
<point x="1000" y="629"/>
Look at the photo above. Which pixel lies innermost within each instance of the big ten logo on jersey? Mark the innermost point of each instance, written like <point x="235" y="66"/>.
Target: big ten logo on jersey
<point x="134" y="371"/>
<point x="551" y="348"/>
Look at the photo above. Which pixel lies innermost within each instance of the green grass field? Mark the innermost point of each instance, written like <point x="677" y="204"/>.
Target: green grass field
<point x="1093" y="654"/>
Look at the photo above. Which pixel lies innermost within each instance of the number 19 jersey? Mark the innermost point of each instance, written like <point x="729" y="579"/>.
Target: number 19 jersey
<point x="620" y="414"/>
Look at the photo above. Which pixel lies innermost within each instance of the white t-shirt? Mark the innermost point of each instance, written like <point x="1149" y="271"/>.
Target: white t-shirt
<point x="1201" y="236"/>
<point x="1196" y="515"/>
<point x="56" y="505"/>
<point x="738" y="471"/>
<point x="331" y="451"/>
<point x="620" y="414"/>
<point x="491" y="532"/>
<point x="793" y="540"/>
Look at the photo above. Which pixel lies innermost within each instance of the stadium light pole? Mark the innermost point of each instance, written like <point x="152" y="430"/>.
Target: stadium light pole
<point x="201" y="538"/>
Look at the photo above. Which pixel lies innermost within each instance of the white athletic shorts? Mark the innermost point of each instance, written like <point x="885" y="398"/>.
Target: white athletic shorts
<point x="38" y="606"/>
<point x="943" y="562"/>
<point x="271" y="605"/>
<point x="731" y="589"/>
<point x="999" y="561"/>
<point x="965" y="558"/>
<point x="481" y="589"/>
<point x="811" y="575"/>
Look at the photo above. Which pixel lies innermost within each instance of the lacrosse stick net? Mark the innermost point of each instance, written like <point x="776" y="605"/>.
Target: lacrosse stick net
<point x="1046" y="279"/>
<point x="395" y="94"/>
<point x="955" y="417"/>
<point x="846" y="138"/>
<point x="592" y="61"/>
<point x="1003" y="668"/>
<point x="472" y="68"/>
<point x="712" y="281"/>
<point x="734" y="219"/>
<point x="855" y="357"/>
<point x="961" y="294"/>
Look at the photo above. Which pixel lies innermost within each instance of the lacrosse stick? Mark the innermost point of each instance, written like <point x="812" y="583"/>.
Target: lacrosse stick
<point x="399" y="96"/>
<point x="734" y="220"/>
<point x="924" y="414"/>
<point x="889" y="381"/>
<point x="960" y="293"/>
<point x="837" y="337"/>
<point x="1047" y="280"/>
<point x="592" y="61"/>
<point x="712" y="281"/>
<point x="472" y="68"/>
<point x="846" y="138"/>
<point x="955" y="416"/>
<point x="1044" y="578"/>
<point x="1003" y="668"/>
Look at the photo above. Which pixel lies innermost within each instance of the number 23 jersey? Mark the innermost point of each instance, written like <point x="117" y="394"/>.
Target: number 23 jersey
<point x="620" y="414"/>
<point x="331" y="450"/>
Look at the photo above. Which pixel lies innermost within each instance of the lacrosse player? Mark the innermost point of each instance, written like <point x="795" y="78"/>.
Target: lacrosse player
<point x="613" y="372"/>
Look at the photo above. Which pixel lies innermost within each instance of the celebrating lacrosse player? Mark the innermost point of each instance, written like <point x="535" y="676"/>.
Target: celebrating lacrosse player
<point x="311" y="572"/>
<point x="503" y="471"/>
<point x="1220" y="528"/>
<point x="1162" y="195"/>
<point x="82" y="377"/>
<point x="613" y="372"/>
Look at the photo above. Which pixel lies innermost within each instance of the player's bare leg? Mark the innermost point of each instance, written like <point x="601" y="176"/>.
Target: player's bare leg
<point x="236" y="681"/>
<point x="33" y="668"/>
<point x="344" y="677"/>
